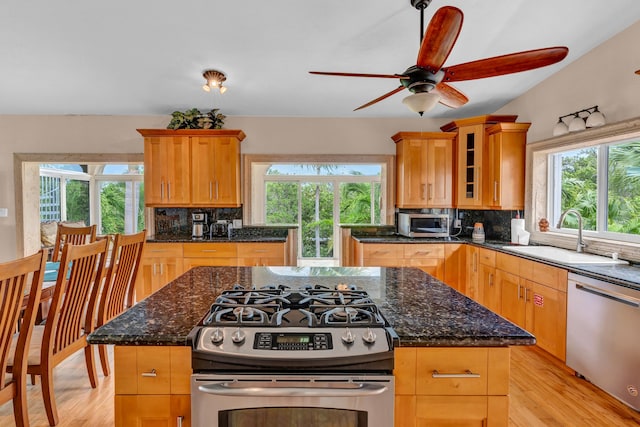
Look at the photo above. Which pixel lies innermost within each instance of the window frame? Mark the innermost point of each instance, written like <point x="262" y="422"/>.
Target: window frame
<point x="539" y="175"/>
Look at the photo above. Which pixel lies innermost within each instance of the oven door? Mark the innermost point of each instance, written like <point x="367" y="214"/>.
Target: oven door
<point x="283" y="400"/>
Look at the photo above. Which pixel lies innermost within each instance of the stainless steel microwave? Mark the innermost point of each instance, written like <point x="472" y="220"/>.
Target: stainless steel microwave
<point x="423" y="225"/>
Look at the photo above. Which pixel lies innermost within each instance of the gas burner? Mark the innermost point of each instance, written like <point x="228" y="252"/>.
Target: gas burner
<point x="362" y="315"/>
<point x="244" y="313"/>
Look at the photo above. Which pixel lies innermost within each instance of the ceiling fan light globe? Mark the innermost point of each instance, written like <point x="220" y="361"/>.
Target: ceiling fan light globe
<point x="223" y="89"/>
<point x="577" y="124"/>
<point x="206" y="88"/>
<point x="421" y="102"/>
<point x="596" y="119"/>
<point x="560" y="128"/>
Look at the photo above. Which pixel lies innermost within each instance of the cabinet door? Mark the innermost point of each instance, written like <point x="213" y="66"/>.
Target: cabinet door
<point x="454" y="266"/>
<point x="512" y="304"/>
<point x="411" y="163"/>
<point x="449" y="411"/>
<point x="215" y="171"/>
<point x="160" y="264"/>
<point x="489" y="292"/>
<point x="439" y="173"/>
<point x="428" y="257"/>
<point x="472" y="272"/>
<point x="470" y="151"/>
<point x="152" y="410"/>
<point x="167" y="171"/>
<point x="547" y="318"/>
<point x="505" y="164"/>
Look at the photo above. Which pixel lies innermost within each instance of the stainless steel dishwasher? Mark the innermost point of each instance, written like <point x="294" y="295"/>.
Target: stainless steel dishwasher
<point x="603" y="336"/>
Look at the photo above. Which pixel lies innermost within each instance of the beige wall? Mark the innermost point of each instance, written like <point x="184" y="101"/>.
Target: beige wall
<point x="604" y="77"/>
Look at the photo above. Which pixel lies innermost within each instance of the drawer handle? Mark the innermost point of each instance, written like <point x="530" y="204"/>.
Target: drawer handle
<point x="466" y="374"/>
<point x="209" y="250"/>
<point x="151" y="373"/>
<point x="261" y="251"/>
<point x="422" y="253"/>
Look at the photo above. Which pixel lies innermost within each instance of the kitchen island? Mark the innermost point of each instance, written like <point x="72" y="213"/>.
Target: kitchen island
<point x="437" y="330"/>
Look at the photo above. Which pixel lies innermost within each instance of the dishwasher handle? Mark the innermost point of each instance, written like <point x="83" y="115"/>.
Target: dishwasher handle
<point x="624" y="299"/>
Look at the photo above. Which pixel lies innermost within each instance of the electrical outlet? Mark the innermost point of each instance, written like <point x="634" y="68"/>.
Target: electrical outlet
<point x="4" y="212"/>
<point x="457" y="223"/>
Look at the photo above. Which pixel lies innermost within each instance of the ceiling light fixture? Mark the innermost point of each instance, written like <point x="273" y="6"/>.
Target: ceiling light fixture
<point x="421" y="101"/>
<point x="214" y="79"/>
<point x="594" y="118"/>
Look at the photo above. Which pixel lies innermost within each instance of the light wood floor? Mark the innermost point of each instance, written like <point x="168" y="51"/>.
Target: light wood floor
<point x="543" y="393"/>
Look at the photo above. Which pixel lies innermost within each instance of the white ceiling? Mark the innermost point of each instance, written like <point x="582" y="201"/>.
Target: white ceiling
<point x="124" y="57"/>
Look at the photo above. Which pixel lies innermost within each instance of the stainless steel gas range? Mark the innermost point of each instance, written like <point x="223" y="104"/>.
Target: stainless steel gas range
<point x="274" y="356"/>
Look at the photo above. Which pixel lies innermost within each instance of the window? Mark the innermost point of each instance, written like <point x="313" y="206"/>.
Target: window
<point x="601" y="182"/>
<point x="317" y="197"/>
<point x="596" y="172"/>
<point x="109" y="195"/>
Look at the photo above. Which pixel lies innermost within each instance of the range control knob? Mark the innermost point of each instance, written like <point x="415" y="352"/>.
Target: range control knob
<point x="348" y="337"/>
<point x="238" y="336"/>
<point x="217" y="336"/>
<point x="369" y="337"/>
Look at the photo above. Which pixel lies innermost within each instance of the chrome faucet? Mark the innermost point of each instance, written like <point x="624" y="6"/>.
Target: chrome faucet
<point x="580" y="245"/>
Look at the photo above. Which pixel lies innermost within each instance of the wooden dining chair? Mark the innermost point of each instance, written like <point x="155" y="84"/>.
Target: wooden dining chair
<point x="119" y="284"/>
<point x="18" y="278"/>
<point x="73" y="235"/>
<point x="71" y="318"/>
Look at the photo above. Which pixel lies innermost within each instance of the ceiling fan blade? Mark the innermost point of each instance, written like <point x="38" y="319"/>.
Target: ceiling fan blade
<point x="451" y="97"/>
<point x="384" y="76"/>
<point x="505" y="64"/>
<point x="442" y="33"/>
<point x="380" y="98"/>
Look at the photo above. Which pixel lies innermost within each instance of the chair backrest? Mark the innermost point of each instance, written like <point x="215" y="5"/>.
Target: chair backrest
<point x="18" y="278"/>
<point x="119" y="284"/>
<point x="72" y="235"/>
<point x="73" y="305"/>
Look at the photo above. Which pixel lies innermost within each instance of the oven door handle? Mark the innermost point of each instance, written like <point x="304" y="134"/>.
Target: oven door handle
<point x="306" y="389"/>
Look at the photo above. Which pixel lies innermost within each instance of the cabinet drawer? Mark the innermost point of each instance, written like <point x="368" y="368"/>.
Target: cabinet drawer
<point x="381" y="250"/>
<point x="487" y="257"/>
<point x="423" y="251"/>
<point x="542" y="273"/>
<point x="441" y="371"/>
<point x="261" y="250"/>
<point x="159" y="250"/>
<point x="210" y="250"/>
<point x="152" y="370"/>
<point x="509" y="263"/>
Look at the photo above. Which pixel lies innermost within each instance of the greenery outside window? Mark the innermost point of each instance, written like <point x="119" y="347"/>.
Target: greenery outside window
<point x="602" y="183"/>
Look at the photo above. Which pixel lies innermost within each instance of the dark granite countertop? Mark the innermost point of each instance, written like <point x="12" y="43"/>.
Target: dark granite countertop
<point x="422" y="310"/>
<point x="619" y="274"/>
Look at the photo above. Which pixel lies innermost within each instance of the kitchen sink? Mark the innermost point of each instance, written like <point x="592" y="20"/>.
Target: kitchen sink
<point x="564" y="256"/>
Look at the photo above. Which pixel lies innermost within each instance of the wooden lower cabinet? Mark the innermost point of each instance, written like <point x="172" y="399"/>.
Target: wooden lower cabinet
<point x="153" y="411"/>
<point x="534" y="296"/>
<point x="428" y="257"/>
<point x="261" y="254"/>
<point x="152" y="386"/>
<point x="160" y="264"/>
<point x="452" y="386"/>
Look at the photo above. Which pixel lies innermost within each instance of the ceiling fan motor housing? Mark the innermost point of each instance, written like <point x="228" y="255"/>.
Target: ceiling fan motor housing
<point x="420" y="79"/>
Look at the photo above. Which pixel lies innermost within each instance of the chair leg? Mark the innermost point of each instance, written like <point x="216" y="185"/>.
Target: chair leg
<point x="20" y="403"/>
<point x="48" y="395"/>
<point x="104" y="359"/>
<point x="33" y="379"/>
<point x="91" y="365"/>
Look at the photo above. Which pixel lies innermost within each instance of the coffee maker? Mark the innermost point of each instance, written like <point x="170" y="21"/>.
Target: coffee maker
<point x="199" y="227"/>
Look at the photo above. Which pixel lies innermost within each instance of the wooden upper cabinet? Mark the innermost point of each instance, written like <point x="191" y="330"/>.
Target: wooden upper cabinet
<point x="167" y="170"/>
<point x="506" y="153"/>
<point x="424" y="168"/>
<point x="490" y="162"/>
<point x="215" y="171"/>
<point x="192" y="167"/>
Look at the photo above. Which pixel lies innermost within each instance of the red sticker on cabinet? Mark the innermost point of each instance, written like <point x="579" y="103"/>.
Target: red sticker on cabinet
<point x="538" y="300"/>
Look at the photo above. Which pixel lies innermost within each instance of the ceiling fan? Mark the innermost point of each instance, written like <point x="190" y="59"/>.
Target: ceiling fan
<point x="429" y="81"/>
